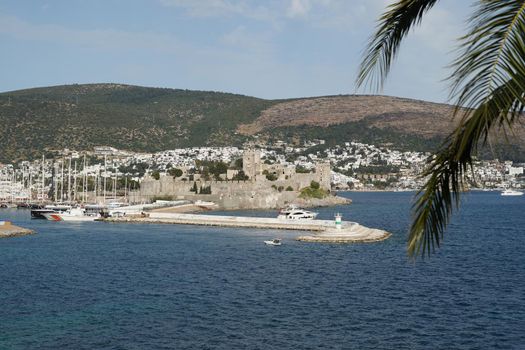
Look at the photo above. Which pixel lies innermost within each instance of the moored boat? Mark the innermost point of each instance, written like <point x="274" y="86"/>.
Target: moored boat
<point x="73" y="214"/>
<point x="294" y="213"/>
<point x="511" y="192"/>
<point x="40" y="213"/>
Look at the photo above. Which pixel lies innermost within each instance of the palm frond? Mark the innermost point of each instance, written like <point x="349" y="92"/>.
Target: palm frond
<point x="441" y="193"/>
<point x="490" y="54"/>
<point x="489" y="80"/>
<point x="393" y="26"/>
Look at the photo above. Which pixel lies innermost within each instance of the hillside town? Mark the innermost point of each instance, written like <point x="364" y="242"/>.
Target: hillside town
<point x="106" y="172"/>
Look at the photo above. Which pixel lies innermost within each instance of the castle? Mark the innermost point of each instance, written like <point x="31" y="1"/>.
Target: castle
<point x="267" y="185"/>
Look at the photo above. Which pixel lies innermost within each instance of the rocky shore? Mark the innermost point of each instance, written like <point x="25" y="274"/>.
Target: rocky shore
<point x="328" y="201"/>
<point x="9" y="230"/>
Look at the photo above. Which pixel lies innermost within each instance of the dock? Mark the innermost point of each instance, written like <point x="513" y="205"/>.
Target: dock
<point x="7" y="229"/>
<point x="324" y="231"/>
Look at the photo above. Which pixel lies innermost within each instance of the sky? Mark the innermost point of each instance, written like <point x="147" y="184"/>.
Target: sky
<point x="267" y="48"/>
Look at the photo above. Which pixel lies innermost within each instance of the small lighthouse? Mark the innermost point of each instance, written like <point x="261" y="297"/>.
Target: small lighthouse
<point x="338" y="221"/>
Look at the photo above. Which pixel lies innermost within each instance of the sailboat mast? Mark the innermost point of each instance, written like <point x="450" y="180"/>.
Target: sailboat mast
<point x="75" y="182"/>
<point x="55" y="180"/>
<point x="69" y="180"/>
<point x="43" y="175"/>
<point x="105" y="175"/>
<point x="84" y="180"/>
<point x="30" y="186"/>
<point x="62" y="182"/>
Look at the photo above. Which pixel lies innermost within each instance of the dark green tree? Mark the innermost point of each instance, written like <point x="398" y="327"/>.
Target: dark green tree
<point x="175" y="172"/>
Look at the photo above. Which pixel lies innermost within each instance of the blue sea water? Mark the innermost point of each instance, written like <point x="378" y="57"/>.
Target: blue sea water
<point x="134" y="286"/>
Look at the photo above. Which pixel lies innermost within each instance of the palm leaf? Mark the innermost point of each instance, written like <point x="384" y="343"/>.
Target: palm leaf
<point x="488" y="86"/>
<point x="489" y="79"/>
<point x="393" y="26"/>
<point x="441" y="193"/>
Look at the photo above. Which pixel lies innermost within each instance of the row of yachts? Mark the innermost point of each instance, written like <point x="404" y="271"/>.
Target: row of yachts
<point x="91" y="212"/>
<point x="61" y="212"/>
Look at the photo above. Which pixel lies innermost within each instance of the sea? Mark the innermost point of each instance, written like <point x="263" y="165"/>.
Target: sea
<point x="143" y="286"/>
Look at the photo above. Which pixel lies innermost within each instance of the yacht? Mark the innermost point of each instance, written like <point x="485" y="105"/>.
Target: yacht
<point x="73" y="214"/>
<point x="294" y="213"/>
<point x="275" y="241"/>
<point x="511" y="192"/>
<point x="40" y="213"/>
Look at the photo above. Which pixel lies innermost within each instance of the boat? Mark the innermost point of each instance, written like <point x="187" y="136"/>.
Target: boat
<point x="275" y="241"/>
<point x="511" y="192"/>
<point x="295" y="213"/>
<point x="73" y="214"/>
<point x="40" y="213"/>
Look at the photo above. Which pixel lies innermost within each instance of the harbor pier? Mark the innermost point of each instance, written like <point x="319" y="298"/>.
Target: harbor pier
<point x="321" y="230"/>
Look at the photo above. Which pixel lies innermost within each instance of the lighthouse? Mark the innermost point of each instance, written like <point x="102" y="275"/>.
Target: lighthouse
<point x="338" y="221"/>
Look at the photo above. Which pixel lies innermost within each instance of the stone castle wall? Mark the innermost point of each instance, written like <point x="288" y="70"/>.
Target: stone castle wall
<point x="256" y="192"/>
<point x="227" y="194"/>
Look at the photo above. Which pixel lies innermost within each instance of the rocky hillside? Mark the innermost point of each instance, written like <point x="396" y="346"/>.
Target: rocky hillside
<point x="151" y="119"/>
<point x="405" y="123"/>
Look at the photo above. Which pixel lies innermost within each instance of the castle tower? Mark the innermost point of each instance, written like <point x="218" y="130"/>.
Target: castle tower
<point x="251" y="163"/>
<point x="324" y="172"/>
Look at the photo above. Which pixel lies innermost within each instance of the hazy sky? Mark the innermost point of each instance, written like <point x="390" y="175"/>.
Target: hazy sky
<point x="268" y="49"/>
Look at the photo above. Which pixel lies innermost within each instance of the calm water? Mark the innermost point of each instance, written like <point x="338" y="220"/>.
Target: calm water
<point x="114" y="286"/>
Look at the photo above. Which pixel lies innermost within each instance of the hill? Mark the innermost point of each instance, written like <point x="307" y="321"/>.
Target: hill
<point x="399" y="122"/>
<point x="123" y="116"/>
<point x="151" y="119"/>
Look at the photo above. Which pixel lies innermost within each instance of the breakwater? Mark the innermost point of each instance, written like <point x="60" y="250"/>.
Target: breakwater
<point x="321" y="230"/>
<point x="7" y="229"/>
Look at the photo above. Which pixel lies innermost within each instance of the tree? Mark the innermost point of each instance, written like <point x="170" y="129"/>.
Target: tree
<point x="175" y="172"/>
<point x="271" y="177"/>
<point x="240" y="176"/>
<point x="238" y="164"/>
<point x="487" y="88"/>
<point x="155" y="174"/>
<point x="301" y="169"/>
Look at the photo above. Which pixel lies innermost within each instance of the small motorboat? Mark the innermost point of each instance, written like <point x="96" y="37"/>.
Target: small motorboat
<point x="275" y="241"/>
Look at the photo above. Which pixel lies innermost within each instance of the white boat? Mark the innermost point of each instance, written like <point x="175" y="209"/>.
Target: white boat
<point x="511" y="192"/>
<point x="73" y="214"/>
<point x="48" y="209"/>
<point x="294" y="213"/>
<point x="275" y="241"/>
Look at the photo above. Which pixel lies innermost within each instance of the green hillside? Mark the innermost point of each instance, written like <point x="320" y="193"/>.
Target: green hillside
<point x="127" y="117"/>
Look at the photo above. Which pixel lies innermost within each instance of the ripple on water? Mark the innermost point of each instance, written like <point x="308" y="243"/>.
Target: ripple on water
<point x="157" y="286"/>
